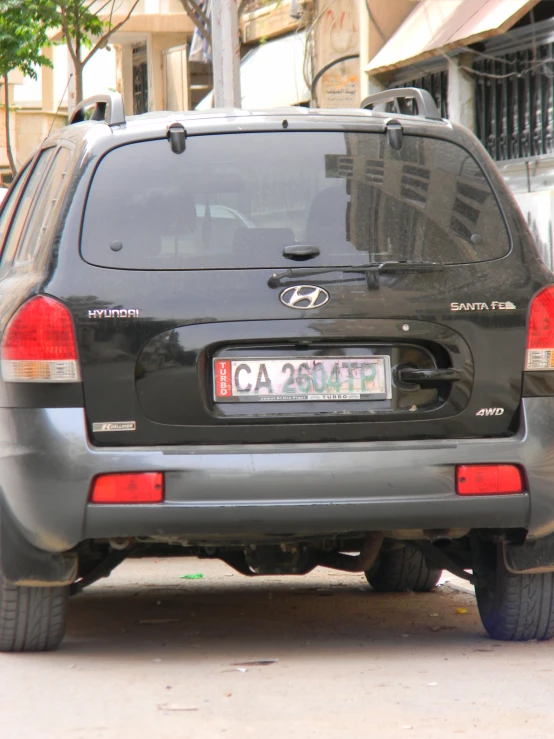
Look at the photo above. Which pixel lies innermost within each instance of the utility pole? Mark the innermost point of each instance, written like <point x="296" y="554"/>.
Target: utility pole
<point x="226" y="53"/>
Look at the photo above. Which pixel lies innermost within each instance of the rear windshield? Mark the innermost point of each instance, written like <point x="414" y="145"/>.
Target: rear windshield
<point x="237" y="200"/>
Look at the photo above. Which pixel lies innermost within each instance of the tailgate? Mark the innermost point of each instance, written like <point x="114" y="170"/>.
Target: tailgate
<point x="191" y="339"/>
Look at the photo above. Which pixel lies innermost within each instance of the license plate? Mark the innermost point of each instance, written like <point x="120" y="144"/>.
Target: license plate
<point x="302" y="378"/>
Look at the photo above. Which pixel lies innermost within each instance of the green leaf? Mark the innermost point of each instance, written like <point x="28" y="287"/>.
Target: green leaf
<point x="23" y="36"/>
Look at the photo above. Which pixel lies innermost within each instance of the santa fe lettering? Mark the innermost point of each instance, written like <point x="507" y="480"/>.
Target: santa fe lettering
<point x="495" y="305"/>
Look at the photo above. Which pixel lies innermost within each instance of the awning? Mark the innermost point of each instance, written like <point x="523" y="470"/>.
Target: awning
<point x="440" y="25"/>
<point x="271" y="75"/>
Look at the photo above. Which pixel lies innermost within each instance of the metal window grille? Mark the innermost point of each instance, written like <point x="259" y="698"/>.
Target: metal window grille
<point x="436" y="84"/>
<point x="514" y="115"/>
<point x="140" y="80"/>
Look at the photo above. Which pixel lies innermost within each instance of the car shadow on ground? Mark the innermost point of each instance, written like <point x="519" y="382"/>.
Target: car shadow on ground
<point x="234" y="616"/>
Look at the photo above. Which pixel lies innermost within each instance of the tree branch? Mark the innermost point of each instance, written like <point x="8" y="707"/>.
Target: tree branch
<point x="104" y="39"/>
<point x="67" y="34"/>
<point x="111" y="14"/>
<point x="44" y="11"/>
<point x="97" y="12"/>
<point x="77" y="23"/>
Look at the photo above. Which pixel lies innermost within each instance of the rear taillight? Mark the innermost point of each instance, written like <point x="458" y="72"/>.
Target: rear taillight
<point x="39" y="344"/>
<point x="540" y="331"/>
<point x="489" y="479"/>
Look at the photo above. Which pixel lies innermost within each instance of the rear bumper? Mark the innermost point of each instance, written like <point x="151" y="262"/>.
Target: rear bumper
<point x="248" y="492"/>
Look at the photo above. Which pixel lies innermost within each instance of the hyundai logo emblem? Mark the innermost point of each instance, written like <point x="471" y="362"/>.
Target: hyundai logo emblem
<point x="304" y="297"/>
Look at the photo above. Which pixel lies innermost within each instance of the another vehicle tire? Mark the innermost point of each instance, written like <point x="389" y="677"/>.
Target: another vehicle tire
<point x="32" y="619"/>
<point x="514" y="607"/>
<point x="402" y="570"/>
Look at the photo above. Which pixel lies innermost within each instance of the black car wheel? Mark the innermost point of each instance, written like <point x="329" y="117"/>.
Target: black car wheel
<point x="32" y="619"/>
<point x="402" y="570"/>
<point x="513" y="607"/>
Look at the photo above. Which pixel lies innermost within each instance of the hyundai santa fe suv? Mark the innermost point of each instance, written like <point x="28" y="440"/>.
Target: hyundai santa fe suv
<point x="284" y="339"/>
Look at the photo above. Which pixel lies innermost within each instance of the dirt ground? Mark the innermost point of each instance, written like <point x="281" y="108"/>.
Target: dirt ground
<point x="150" y="654"/>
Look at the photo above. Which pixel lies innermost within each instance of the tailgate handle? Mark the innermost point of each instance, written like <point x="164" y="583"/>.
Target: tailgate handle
<point x="428" y="376"/>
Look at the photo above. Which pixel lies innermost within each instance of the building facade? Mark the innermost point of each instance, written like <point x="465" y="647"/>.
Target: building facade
<point x="133" y="61"/>
<point x="489" y="64"/>
<point x="492" y="71"/>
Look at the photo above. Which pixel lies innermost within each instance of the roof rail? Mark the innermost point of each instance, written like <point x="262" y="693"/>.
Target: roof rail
<point x="108" y="107"/>
<point x="400" y="98"/>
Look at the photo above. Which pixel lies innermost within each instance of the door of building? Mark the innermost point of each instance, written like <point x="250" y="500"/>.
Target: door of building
<point x="140" y="80"/>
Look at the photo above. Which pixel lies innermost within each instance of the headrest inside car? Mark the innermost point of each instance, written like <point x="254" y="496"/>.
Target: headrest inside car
<point x="326" y="222"/>
<point x="171" y="213"/>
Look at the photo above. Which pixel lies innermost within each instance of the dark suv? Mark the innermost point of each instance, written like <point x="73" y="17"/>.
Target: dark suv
<point x="282" y="339"/>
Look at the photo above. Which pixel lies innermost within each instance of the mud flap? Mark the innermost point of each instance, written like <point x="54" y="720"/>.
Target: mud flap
<point x="532" y="557"/>
<point x="23" y="564"/>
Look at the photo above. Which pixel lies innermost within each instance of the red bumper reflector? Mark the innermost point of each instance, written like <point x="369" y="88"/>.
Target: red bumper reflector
<point x="489" y="479"/>
<point x="128" y="487"/>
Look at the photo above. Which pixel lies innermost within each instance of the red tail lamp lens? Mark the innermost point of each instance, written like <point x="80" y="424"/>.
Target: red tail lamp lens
<point x="540" y="331"/>
<point x="39" y="344"/>
<point x="135" y="487"/>
<point x="489" y="479"/>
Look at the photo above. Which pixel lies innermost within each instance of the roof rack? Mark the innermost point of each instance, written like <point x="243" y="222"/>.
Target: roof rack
<point x="401" y="98"/>
<point x="107" y="107"/>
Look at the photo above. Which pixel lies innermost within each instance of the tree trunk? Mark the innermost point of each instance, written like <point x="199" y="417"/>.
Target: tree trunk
<point x="78" y="82"/>
<point x="7" y="114"/>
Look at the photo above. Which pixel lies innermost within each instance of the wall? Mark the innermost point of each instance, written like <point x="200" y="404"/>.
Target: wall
<point x="28" y="128"/>
<point x="337" y="36"/>
<point x="532" y="183"/>
<point x="124" y="74"/>
<point x="268" y="21"/>
<point x="160" y="42"/>
<point x="379" y="20"/>
<point x="32" y="127"/>
<point x="346" y="27"/>
<point x="386" y="18"/>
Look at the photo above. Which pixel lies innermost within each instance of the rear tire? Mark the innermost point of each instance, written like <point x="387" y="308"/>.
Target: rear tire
<point x="402" y="570"/>
<point x="32" y="619"/>
<point x="514" y="607"/>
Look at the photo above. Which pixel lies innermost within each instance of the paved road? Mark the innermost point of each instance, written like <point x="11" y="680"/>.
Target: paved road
<point x="148" y="654"/>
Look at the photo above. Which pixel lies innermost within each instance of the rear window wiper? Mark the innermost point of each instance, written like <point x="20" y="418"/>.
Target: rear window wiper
<point x="371" y="271"/>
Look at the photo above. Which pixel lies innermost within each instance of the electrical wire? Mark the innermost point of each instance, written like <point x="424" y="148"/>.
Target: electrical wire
<point x="535" y="63"/>
<point x="372" y="19"/>
<point x="59" y="105"/>
<point x="309" y="54"/>
<point x="329" y="66"/>
<point x="531" y="67"/>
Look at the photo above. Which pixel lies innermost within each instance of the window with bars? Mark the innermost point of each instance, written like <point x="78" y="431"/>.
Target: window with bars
<point x="514" y="115"/>
<point x="140" y="79"/>
<point x="436" y="84"/>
